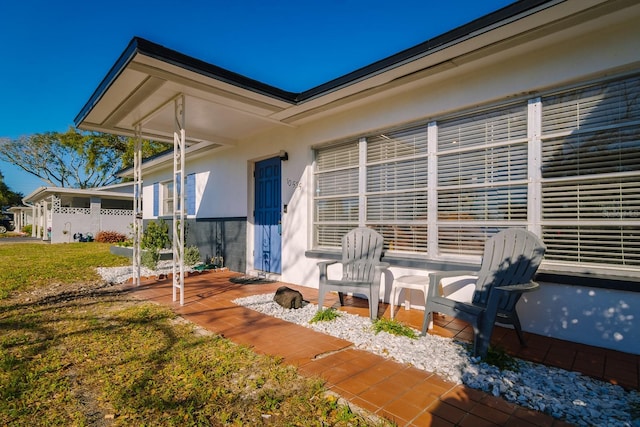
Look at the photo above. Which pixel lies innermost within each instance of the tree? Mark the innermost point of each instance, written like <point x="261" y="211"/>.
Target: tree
<point x="74" y="159"/>
<point x="8" y="197"/>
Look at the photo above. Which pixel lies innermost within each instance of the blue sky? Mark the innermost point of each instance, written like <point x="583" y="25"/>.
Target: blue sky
<point x="53" y="54"/>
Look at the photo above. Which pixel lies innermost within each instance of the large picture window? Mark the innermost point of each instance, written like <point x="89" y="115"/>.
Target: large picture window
<point x="565" y="166"/>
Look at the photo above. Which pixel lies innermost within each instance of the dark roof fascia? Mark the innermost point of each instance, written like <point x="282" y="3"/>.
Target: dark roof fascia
<point x="426" y="47"/>
<point x="181" y="60"/>
<point x="142" y="46"/>
<point x="139" y="45"/>
<point x="111" y="76"/>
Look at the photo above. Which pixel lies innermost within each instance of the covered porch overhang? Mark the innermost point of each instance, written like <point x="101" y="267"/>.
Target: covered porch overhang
<point x="159" y="94"/>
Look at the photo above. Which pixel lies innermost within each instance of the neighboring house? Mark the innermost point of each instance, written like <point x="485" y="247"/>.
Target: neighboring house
<point x="62" y="214"/>
<point x="528" y="117"/>
<point x="22" y="216"/>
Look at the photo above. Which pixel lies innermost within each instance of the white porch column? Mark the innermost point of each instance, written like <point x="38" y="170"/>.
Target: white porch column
<point x="95" y="205"/>
<point x="34" y="220"/>
<point x="45" y="220"/>
<point x="137" y="204"/>
<point x="178" y="198"/>
<point x="40" y="221"/>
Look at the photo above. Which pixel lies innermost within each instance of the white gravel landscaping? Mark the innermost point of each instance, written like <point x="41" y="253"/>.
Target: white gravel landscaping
<point x="570" y="396"/>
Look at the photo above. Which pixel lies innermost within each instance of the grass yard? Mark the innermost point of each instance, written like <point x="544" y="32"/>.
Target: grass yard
<point x="75" y="351"/>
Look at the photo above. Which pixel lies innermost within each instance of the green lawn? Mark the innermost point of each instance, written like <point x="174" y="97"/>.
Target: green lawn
<point x="75" y="351"/>
<point x="27" y="265"/>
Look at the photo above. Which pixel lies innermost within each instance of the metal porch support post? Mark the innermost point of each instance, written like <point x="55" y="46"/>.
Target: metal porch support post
<point x="137" y="205"/>
<point x="178" y="198"/>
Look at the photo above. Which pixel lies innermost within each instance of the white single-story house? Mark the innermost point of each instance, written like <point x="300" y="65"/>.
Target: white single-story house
<point x="61" y="214"/>
<point x="22" y="216"/>
<point x="528" y="117"/>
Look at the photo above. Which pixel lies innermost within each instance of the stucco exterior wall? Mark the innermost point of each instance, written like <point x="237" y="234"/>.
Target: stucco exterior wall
<point x="65" y="225"/>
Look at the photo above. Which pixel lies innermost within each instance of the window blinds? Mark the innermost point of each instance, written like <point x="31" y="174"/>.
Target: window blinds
<point x="482" y="177"/>
<point x="591" y="174"/>
<point x="336" y="201"/>
<point x="396" y="188"/>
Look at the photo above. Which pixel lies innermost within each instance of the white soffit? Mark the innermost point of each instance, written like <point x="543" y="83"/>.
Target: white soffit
<point x="216" y="111"/>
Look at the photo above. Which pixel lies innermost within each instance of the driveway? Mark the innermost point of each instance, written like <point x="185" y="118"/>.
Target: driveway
<point x="22" y="239"/>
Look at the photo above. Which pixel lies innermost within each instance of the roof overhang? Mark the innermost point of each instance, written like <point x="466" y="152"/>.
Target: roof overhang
<point x="43" y="193"/>
<point x="222" y="107"/>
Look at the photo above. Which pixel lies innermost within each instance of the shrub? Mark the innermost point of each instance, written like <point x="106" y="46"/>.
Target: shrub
<point x="149" y="258"/>
<point x="156" y="235"/>
<point x="191" y="255"/>
<point x="27" y="229"/>
<point x="393" y="327"/>
<point x="126" y="243"/>
<point x="325" y="315"/>
<point x="499" y="358"/>
<point x="110" y="237"/>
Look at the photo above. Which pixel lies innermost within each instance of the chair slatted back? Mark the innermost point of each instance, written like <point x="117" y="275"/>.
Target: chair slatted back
<point x="510" y="257"/>
<point x="361" y="250"/>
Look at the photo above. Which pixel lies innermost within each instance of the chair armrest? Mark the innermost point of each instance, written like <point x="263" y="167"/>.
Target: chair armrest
<point x="322" y="265"/>
<point x="521" y="287"/>
<point x="381" y="266"/>
<point x="436" y="277"/>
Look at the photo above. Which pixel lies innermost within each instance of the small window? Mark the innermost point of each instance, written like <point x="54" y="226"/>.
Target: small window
<point x="164" y="197"/>
<point x="167" y="198"/>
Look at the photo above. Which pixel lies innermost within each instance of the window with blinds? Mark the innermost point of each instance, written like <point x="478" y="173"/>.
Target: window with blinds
<point x="566" y="165"/>
<point x="336" y="202"/>
<point x="482" y="177"/>
<point x="591" y="174"/>
<point x="396" y="188"/>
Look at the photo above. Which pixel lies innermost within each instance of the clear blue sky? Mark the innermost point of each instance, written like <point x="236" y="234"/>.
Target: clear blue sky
<point x="53" y="54"/>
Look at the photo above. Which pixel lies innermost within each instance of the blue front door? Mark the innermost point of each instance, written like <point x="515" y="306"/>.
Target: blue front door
<point x="267" y="216"/>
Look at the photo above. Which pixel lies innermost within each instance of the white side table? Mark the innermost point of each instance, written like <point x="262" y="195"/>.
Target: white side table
<point x="408" y="283"/>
